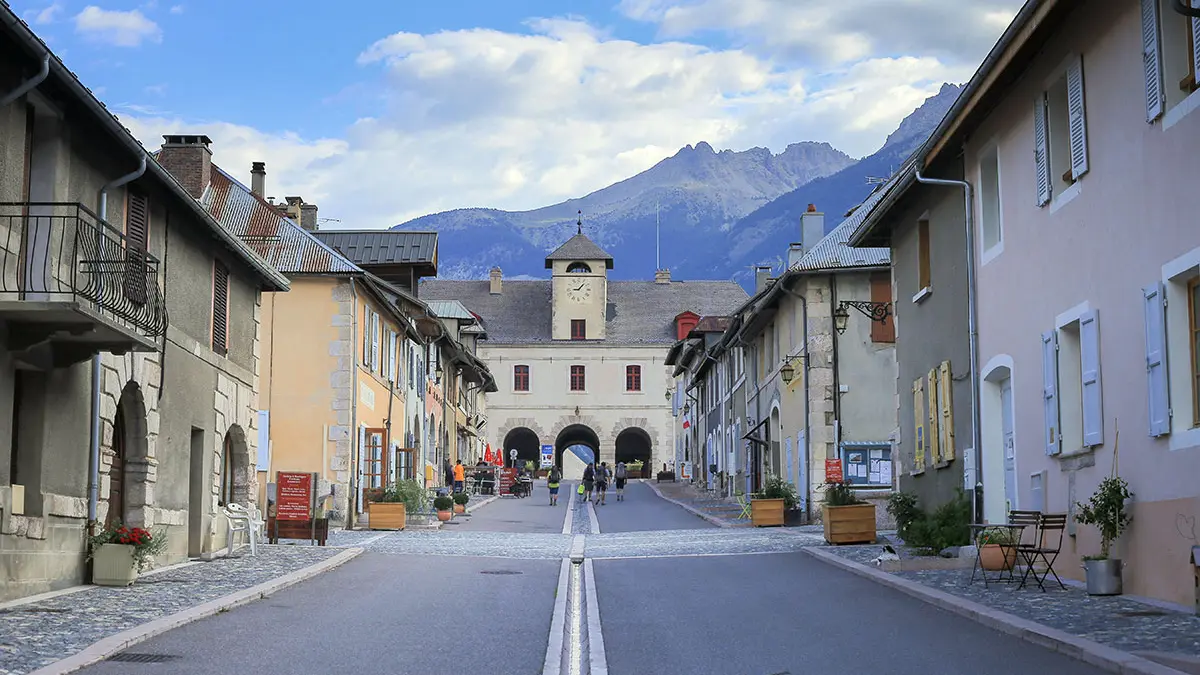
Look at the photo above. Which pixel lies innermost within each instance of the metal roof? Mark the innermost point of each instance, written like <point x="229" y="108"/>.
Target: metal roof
<point x="451" y="309"/>
<point x="384" y="247"/>
<point x="288" y="247"/>
<point x="581" y="248"/>
<point x="832" y="252"/>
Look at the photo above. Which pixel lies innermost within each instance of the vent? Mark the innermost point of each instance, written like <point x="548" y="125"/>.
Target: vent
<point x="134" y="657"/>
<point x="501" y="572"/>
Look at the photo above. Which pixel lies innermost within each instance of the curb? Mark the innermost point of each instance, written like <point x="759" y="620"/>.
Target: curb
<point x="1083" y="649"/>
<point x="115" y="643"/>
<point x="483" y="503"/>
<point x="712" y="519"/>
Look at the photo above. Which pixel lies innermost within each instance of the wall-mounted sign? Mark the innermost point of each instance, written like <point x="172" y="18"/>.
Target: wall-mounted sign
<point x="833" y="470"/>
<point x="547" y="456"/>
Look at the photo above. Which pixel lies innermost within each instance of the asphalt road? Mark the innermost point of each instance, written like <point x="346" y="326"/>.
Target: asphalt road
<point x="642" y="510"/>
<point x="526" y="514"/>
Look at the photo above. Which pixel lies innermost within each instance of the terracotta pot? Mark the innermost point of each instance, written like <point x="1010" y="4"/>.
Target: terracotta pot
<point x="460" y="508"/>
<point x="445" y="515"/>
<point x="993" y="557"/>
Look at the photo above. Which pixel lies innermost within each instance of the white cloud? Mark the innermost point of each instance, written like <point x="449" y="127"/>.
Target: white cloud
<point x="177" y="9"/>
<point x="44" y="16"/>
<point x="118" y="28"/>
<point x="485" y="118"/>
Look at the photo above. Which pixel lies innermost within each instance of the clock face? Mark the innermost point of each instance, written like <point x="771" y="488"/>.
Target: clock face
<point x="579" y="290"/>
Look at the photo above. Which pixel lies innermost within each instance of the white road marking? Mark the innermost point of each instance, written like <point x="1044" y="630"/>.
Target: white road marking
<point x="597" y="660"/>
<point x="554" y="647"/>
<point x="591" y="508"/>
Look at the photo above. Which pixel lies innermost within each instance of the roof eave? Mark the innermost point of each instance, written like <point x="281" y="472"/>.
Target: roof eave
<point x="870" y="231"/>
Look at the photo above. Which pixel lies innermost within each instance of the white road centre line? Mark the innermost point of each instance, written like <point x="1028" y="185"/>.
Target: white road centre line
<point x="554" y="646"/>
<point x="597" y="660"/>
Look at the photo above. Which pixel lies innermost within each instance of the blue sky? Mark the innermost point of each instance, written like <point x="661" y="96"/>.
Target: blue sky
<point x="380" y="111"/>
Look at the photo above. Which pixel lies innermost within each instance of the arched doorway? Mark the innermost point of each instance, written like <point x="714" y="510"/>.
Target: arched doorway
<point x="233" y="482"/>
<point x="633" y="445"/>
<point x="525" y="442"/>
<point x="576" y="437"/>
<point x="127" y="459"/>
<point x="116" y="470"/>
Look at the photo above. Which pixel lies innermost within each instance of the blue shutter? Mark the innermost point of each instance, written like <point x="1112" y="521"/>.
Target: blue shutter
<point x="1077" y="118"/>
<point x="1152" y="60"/>
<point x="1093" y="398"/>
<point x="1053" y="434"/>
<point x="1041" y="150"/>
<point x="264" y="440"/>
<point x="1154" y="305"/>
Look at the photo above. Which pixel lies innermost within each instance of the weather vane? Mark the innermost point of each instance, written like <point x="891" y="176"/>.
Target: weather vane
<point x="579" y="222"/>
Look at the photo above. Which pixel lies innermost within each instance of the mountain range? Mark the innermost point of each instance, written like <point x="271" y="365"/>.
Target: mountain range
<point x="719" y="213"/>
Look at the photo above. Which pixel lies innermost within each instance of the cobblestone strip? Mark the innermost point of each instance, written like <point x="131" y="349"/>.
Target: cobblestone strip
<point x="99" y="621"/>
<point x="1090" y="651"/>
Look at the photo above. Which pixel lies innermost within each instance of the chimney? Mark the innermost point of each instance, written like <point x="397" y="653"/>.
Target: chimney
<point x="662" y="276"/>
<point x="189" y="159"/>
<point x="308" y="217"/>
<point x="258" y="178"/>
<point x="762" y="275"/>
<point x="812" y="228"/>
<point x="495" y="278"/>
<point x="795" y="253"/>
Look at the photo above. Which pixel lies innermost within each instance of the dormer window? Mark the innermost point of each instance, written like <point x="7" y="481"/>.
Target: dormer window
<point x="579" y="268"/>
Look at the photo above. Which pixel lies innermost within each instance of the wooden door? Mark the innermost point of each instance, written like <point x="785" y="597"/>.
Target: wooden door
<point x="375" y="461"/>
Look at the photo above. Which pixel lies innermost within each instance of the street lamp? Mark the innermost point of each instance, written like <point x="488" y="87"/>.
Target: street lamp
<point x="840" y="318"/>
<point x="875" y="311"/>
<point x="787" y="372"/>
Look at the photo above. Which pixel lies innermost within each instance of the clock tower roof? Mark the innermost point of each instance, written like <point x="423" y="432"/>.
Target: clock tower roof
<point x="581" y="248"/>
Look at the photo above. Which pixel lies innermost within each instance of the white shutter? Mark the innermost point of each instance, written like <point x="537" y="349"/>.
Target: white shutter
<point x="1053" y="434"/>
<point x="362" y="465"/>
<point x="1093" y="400"/>
<point x="1077" y="111"/>
<point x="1156" y="359"/>
<point x="393" y="362"/>
<point x="1152" y="60"/>
<point x="1040" y="156"/>
<point x="374" y="341"/>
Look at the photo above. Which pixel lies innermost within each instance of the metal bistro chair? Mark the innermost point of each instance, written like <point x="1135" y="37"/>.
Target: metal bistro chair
<point x="745" y="504"/>
<point x="1049" y="524"/>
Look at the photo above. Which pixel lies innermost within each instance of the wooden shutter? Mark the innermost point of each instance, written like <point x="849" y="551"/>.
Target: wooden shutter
<point x="1154" y="307"/>
<point x="1041" y="158"/>
<point x="1195" y="45"/>
<point x="220" y="308"/>
<point x="946" y="393"/>
<point x="1053" y="434"/>
<point x="1093" y="399"/>
<point x="881" y="291"/>
<point x="1152" y="60"/>
<point x="393" y="361"/>
<point x="1077" y="115"/>
<point x="919" y="428"/>
<point x="137" y="240"/>
<point x="933" y="433"/>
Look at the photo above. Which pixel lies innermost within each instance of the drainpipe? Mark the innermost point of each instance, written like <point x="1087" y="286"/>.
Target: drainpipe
<point x="837" y="386"/>
<point x="807" y="432"/>
<point x="353" y="433"/>
<point x="972" y="336"/>
<point x="28" y="85"/>
<point x="98" y="371"/>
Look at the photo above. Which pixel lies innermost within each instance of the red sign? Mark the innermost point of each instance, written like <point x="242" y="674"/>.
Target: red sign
<point x="833" y="471"/>
<point x="507" y="478"/>
<point x="294" y="496"/>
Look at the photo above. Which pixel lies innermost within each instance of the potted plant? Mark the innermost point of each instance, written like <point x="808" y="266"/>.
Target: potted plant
<point x="443" y="505"/>
<point x="1106" y="511"/>
<point x="118" y="553"/>
<point x="768" y="506"/>
<point x="460" y="501"/>
<point x="997" y="549"/>
<point x="846" y="518"/>
<point x="388" y="509"/>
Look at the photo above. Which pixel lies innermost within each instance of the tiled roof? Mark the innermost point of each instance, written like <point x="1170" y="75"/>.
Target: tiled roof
<point x="832" y="252"/>
<point x="288" y="247"/>
<point x="580" y="247"/>
<point x="639" y="312"/>
<point x="384" y="247"/>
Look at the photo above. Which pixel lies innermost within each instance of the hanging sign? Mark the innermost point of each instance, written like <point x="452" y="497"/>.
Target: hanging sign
<point x="547" y="456"/>
<point x="508" y="477"/>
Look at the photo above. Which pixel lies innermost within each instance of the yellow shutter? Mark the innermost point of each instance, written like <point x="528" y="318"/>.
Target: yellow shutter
<point x="947" y="391"/>
<point x="933" y="443"/>
<point x="919" y="429"/>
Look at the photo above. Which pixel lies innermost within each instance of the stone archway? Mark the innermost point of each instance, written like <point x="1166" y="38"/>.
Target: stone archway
<point x="527" y="444"/>
<point x="126" y="482"/>
<point x="235" y="468"/>
<point x="576" y="435"/>
<point x="634" y="444"/>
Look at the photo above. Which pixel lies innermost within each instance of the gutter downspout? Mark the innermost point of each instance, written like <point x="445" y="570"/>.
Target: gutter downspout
<point x="354" y="449"/>
<point x="972" y="336"/>
<point x="28" y="85"/>
<point x="837" y="387"/>
<point x="807" y="432"/>
<point x="98" y="371"/>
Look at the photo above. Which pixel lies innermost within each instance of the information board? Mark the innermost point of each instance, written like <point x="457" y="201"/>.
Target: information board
<point x="507" y="478"/>
<point x="547" y="456"/>
<point x="833" y="471"/>
<point x="295" y="496"/>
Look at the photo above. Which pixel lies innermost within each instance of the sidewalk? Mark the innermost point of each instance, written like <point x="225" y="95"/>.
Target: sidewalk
<point x="1118" y="633"/>
<point x="719" y="512"/>
<point x="41" y="630"/>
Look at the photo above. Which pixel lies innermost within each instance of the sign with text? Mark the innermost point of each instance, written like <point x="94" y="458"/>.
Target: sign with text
<point x="294" y="496"/>
<point x="833" y="470"/>
<point x="547" y="456"/>
<point x="507" y="478"/>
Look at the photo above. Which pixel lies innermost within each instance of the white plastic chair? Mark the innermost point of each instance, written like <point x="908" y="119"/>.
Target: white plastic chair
<point x="242" y="519"/>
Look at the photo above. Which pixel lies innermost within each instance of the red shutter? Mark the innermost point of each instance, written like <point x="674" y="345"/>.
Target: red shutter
<point x="220" y="306"/>
<point x="881" y="291"/>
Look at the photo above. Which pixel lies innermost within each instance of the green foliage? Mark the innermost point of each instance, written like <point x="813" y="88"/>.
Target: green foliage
<point x="948" y="525"/>
<point x="409" y="492"/>
<point x="904" y="509"/>
<point x="1004" y="537"/>
<point x="461" y="498"/>
<point x="775" y="487"/>
<point x="840" y="494"/>
<point x="145" y="544"/>
<point x="443" y="503"/>
<point x="1106" y="510"/>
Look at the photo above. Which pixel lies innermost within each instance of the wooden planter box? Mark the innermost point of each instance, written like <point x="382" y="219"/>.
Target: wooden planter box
<point x="854" y="524"/>
<point x="113" y="565"/>
<point x="766" y="512"/>
<point x="386" y="515"/>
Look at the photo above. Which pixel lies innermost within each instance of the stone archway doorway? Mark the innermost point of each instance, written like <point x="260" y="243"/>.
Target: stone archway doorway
<point x="525" y="441"/>
<point x="633" y="445"/>
<point x="235" y="468"/>
<point x="127" y="484"/>
<point x="573" y="447"/>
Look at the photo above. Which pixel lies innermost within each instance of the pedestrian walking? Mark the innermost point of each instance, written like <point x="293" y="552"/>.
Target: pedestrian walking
<point x="589" y="480"/>
<point x="621" y="475"/>
<point x="603" y="474"/>
<point x="448" y="473"/>
<point x="460" y="476"/>
<point x="552" y="482"/>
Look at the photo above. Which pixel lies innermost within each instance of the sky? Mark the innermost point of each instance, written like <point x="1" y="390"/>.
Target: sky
<point x="379" y="111"/>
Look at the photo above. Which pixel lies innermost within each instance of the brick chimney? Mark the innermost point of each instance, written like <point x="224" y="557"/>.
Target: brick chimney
<point x="812" y="228"/>
<point x="308" y="216"/>
<point x="258" y="178"/>
<point x="189" y="159"/>
<point x="662" y="276"/>
<point x="496" y="279"/>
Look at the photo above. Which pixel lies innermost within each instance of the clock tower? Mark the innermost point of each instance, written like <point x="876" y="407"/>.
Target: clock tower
<point x="579" y="279"/>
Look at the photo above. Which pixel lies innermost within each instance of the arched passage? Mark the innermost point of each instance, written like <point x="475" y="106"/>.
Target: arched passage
<point x="525" y="442"/>
<point x="127" y="487"/>
<point x="576" y="435"/>
<point x="633" y="445"/>
<point x="235" y="468"/>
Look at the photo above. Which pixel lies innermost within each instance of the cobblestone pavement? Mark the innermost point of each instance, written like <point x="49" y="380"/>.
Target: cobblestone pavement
<point x="38" y="633"/>
<point x="1114" y="621"/>
<point x="725" y="510"/>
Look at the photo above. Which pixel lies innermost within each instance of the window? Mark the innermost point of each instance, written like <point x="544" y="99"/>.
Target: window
<point x="633" y="378"/>
<point x="520" y="378"/>
<point x="923" y="277"/>
<point x="1171" y="51"/>
<point x="220" y="309"/>
<point x="881" y="291"/>
<point x="577" y="380"/>
<point x="579" y="268"/>
<point x="227" y="469"/>
<point x="1071" y="385"/>
<point x="989" y="199"/>
<point x="578" y="329"/>
<point x="1060" y="133"/>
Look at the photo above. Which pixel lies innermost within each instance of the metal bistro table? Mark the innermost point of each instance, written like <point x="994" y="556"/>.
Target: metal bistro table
<point x="1012" y="535"/>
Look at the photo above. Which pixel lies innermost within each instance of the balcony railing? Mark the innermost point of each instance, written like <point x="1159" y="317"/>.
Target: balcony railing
<point x="62" y="252"/>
